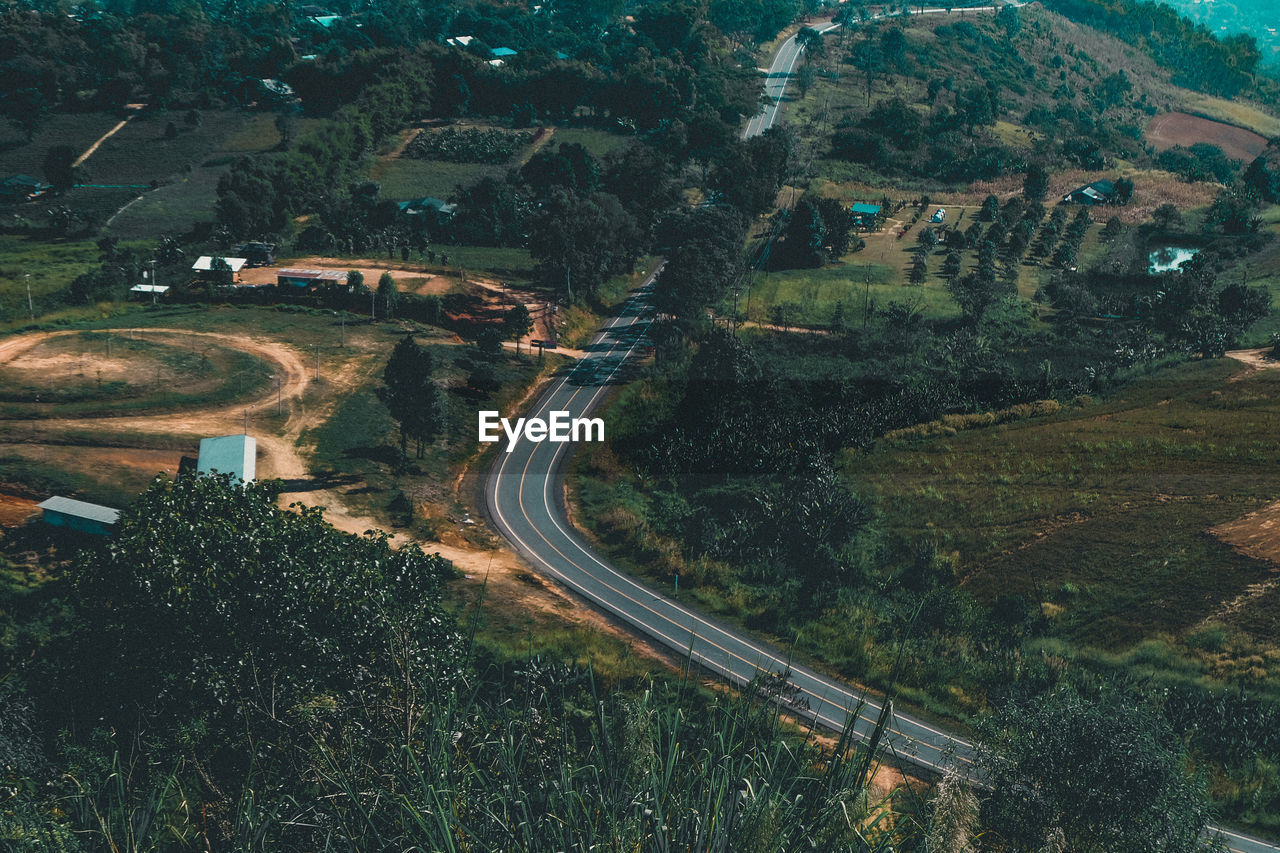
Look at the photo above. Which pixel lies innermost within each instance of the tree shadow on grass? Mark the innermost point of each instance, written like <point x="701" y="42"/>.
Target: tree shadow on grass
<point x="384" y="453"/>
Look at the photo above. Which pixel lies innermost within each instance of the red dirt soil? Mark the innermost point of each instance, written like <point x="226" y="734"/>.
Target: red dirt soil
<point x="15" y="509"/>
<point x="1170" y="129"/>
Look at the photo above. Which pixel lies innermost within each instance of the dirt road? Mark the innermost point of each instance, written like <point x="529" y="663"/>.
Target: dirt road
<point x="280" y="455"/>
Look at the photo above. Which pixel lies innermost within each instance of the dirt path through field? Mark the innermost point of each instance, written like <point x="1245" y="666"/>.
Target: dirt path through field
<point x="281" y="455"/>
<point x="135" y="110"/>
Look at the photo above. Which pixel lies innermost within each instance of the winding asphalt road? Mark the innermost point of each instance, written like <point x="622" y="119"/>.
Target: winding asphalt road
<point x="526" y="502"/>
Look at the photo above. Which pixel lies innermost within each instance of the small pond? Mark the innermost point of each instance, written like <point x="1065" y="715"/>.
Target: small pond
<point x="1169" y="259"/>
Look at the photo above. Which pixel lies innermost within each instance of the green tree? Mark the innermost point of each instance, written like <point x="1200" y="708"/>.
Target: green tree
<point x="220" y="605"/>
<point x="990" y="209"/>
<point x="579" y="241"/>
<point x="1124" y="190"/>
<point x="428" y="416"/>
<point x="810" y="43"/>
<point x="405" y="379"/>
<point x="431" y="311"/>
<point x="1036" y="183"/>
<point x="1104" y="772"/>
<point x="1167" y="216"/>
<point x="27" y="108"/>
<point x="489" y="342"/>
<point x="977" y="105"/>
<point x="484" y="378"/>
<point x="868" y="57"/>
<point x="59" y="171"/>
<point x="805" y="78"/>
<point x="517" y="323"/>
<point x="975" y="293"/>
<point x="1009" y="19"/>
<point x="388" y="295"/>
<point x="893" y="47"/>
<point x="168" y="251"/>
<point x="1234" y="211"/>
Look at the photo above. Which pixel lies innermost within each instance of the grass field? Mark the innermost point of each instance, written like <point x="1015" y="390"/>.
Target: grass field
<point x="185" y="169"/>
<point x="111" y="372"/>
<point x="809" y="297"/>
<point x="51" y="264"/>
<point x="78" y="130"/>
<point x="1242" y="113"/>
<point x="598" y="142"/>
<point x="1100" y="510"/>
<point x="405" y="177"/>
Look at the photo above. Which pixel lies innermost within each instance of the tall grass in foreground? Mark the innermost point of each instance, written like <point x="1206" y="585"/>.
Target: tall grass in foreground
<point x="538" y="759"/>
<point x="550" y="769"/>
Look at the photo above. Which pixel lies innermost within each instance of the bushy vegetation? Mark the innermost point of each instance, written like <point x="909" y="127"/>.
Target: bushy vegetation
<point x="310" y="694"/>
<point x="1198" y="59"/>
<point x="469" y="145"/>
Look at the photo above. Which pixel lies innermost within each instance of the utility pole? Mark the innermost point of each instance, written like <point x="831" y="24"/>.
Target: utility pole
<point x="246" y="421"/>
<point x="153" y="281"/>
<point x="316" y="347"/>
<point x="373" y="304"/>
<point x="866" y="304"/>
<point x="343" y="318"/>
<point x="30" y="305"/>
<point x="279" y="404"/>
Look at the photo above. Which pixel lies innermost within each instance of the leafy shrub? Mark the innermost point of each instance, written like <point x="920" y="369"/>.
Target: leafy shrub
<point x="472" y="145"/>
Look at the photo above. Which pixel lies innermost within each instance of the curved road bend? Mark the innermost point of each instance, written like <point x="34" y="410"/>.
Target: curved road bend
<point x="525" y="498"/>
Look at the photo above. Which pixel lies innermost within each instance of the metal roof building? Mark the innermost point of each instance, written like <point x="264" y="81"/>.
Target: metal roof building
<point x="229" y="454"/>
<point x="1098" y="192"/>
<point x="79" y="515"/>
<point x="864" y="214"/>
<point x="310" y="278"/>
<point x="205" y="264"/>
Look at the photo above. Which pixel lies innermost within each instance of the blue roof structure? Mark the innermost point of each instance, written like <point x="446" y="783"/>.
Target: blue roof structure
<point x="500" y="52"/>
<point x="420" y="205"/>
<point x="869" y="209"/>
<point x="229" y="454"/>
